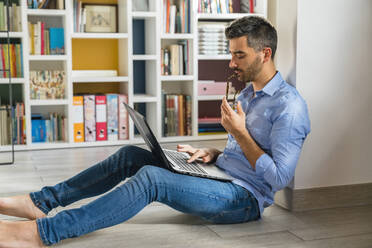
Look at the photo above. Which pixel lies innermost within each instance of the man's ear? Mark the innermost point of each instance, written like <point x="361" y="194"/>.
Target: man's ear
<point x="267" y="52"/>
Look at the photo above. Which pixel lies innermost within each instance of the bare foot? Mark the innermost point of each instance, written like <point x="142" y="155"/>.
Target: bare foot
<point x="20" y="234"/>
<point x="20" y="206"/>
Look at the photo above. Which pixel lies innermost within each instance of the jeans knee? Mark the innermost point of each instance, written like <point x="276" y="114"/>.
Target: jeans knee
<point x="151" y="174"/>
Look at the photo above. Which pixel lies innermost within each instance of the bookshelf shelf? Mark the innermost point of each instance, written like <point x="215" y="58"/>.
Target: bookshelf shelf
<point x="13" y="80"/>
<point x="212" y="97"/>
<point x="144" y="98"/>
<point x="177" y="36"/>
<point x="214" y="57"/>
<point x="48" y="57"/>
<point x="11" y="35"/>
<point x="99" y="36"/>
<point x="143" y="14"/>
<point x="48" y="102"/>
<point x="231" y="16"/>
<point x="99" y="79"/>
<point x="45" y="12"/>
<point x="144" y="57"/>
<point x="177" y="78"/>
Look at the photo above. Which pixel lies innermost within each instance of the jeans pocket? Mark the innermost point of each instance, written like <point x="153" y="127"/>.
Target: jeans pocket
<point x="233" y="216"/>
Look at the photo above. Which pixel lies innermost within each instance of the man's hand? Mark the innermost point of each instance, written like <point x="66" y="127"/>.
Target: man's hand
<point x="208" y="155"/>
<point x="233" y="122"/>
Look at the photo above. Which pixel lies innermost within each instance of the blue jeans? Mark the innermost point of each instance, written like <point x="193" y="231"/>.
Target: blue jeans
<point x="215" y="201"/>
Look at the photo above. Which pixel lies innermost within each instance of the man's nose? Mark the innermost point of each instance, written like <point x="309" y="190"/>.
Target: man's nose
<point x="232" y="64"/>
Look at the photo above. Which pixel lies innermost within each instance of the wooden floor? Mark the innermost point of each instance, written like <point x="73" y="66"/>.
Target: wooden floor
<point x="160" y="226"/>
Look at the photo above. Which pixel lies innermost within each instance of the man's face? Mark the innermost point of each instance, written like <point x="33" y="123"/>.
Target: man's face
<point x="245" y="62"/>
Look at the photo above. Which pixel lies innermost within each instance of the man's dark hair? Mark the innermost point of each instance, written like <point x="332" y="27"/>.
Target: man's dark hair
<point x="259" y="32"/>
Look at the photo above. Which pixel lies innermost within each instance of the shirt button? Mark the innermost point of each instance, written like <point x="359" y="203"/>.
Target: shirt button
<point x="225" y="156"/>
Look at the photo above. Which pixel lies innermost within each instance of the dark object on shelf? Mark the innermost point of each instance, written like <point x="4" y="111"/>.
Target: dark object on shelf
<point x="10" y="86"/>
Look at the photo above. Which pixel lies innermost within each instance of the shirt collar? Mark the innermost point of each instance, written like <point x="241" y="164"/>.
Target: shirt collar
<point x="273" y="85"/>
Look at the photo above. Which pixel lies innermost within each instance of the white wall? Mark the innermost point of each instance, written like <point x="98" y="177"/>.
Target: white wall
<point x="334" y="75"/>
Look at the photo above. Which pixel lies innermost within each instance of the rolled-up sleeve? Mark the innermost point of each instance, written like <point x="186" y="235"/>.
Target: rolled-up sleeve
<point x="287" y="136"/>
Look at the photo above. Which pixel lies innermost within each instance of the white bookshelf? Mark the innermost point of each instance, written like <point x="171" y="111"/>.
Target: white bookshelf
<point x="155" y="82"/>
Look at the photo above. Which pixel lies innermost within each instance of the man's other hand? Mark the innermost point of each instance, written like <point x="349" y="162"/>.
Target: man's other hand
<point x="207" y="155"/>
<point x="233" y="122"/>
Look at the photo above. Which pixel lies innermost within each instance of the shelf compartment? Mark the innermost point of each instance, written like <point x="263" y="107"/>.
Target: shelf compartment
<point x="99" y="36"/>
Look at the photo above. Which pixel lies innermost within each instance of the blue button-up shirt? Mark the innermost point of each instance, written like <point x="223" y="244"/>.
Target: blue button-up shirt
<point x="277" y="119"/>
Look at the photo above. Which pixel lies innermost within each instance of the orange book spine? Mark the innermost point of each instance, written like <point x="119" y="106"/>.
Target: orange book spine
<point x="78" y="115"/>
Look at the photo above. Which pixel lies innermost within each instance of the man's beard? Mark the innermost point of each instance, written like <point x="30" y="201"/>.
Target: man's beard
<point x="250" y="74"/>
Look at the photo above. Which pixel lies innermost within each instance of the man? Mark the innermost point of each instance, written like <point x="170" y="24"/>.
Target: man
<point x="266" y="134"/>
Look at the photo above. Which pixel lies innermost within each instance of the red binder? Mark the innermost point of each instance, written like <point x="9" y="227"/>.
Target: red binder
<point x="101" y="119"/>
<point x="123" y="117"/>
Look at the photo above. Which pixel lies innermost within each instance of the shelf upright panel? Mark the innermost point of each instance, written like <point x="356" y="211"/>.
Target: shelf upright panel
<point x="127" y="9"/>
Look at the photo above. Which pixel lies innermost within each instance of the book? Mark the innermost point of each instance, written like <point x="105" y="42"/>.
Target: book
<point x="123" y="117"/>
<point x="112" y="117"/>
<point x="90" y="118"/>
<point x="56" y="40"/>
<point x="78" y="118"/>
<point x="101" y="118"/>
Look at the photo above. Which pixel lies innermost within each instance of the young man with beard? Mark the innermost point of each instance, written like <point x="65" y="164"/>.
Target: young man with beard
<point x="266" y="133"/>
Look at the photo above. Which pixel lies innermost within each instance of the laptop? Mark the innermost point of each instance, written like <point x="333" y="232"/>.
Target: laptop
<point x="173" y="160"/>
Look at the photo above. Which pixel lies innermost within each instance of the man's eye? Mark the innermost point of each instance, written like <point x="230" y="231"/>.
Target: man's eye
<point x="241" y="57"/>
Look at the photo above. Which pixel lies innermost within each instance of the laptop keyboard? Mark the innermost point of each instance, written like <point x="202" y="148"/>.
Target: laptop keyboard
<point x="181" y="160"/>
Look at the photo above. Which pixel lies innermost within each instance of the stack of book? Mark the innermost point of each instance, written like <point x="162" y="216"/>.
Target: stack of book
<point x="46" y="41"/>
<point x="15" y="20"/>
<point x="175" y="59"/>
<point x="47" y="85"/>
<point x="16" y="117"/>
<point x="212" y="39"/>
<point x="100" y="117"/>
<point x="176" y="115"/>
<point x="14" y="62"/>
<point x="210" y="125"/>
<point x="176" y="16"/>
<point x="50" y="129"/>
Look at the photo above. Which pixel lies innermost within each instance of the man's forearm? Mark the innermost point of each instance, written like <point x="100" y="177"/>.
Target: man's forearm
<point x="249" y="147"/>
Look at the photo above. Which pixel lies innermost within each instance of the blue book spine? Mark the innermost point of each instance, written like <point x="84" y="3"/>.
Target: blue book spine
<point x="57" y="40"/>
<point x="112" y="116"/>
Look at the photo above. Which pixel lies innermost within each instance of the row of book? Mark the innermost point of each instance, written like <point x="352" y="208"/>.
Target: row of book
<point x="175" y="59"/>
<point x="47" y="84"/>
<point x="49" y="129"/>
<point x="80" y="16"/>
<point x="11" y="58"/>
<point x="210" y="125"/>
<point x="226" y="6"/>
<point x="46" y="41"/>
<point x="176" y="16"/>
<point x="46" y="4"/>
<point x="100" y="117"/>
<point x="176" y="115"/>
<point x="15" y="20"/>
<point x="212" y="40"/>
<point x="12" y="119"/>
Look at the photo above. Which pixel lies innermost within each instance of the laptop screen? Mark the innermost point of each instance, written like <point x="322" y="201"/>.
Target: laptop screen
<point x="147" y="135"/>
